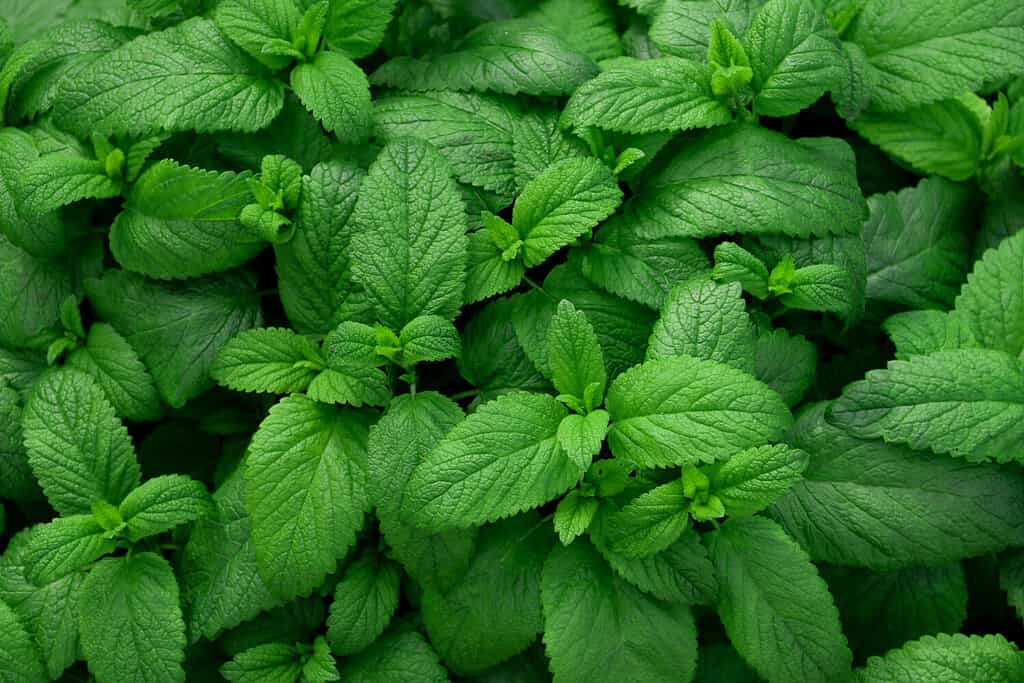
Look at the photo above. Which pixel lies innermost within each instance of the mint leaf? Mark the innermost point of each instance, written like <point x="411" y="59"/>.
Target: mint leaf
<point x="31" y="291"/>
<point x="336" y="91"/>
<point x="598" y="626"/>
<point x="162" y="503"/>
<point x="16" y="479"/>
<point x="356" y="27"/>
<point x="574" y="514"/>
<point x="730" y="180"/>
<point x="78" y="449"/>
<point x="683" y="27"/>
<point x="63" y="546"/>
<point x="272" y="360"/>
<point x="869" y="503"/>
<point x="819" y="287"/>
<point x="923" y="332"/>
<point x="681" y="411"/>
<point x="706" y="320"/>
<point x="56" y="180"/>
<point x="751" y="480"/>
<point x="581" y="436"/>
<point x="733" y="263"/>
<point x="19" y="658"/>
<point x="272" y="662"/>
<point x="992" y="301"/>
<point x="758" y="565"/>
<point x="188" y="77"/>
<point x="643" y="96"/>
<point x="364" y="602"/>
<point x="574" y="356"/>
<point x="112" y="362"/>
<point x="253" y="25"/>
<point x="429" y="338"/>
<point x="588" y="26"/>
<point x="351" y="375"/>
<point x="507" y="57"/>
<point x="954" y="657"/>
<point x="539" y="141"/>
<point x="651" y="522"/>
<point x="403" y="657"/>
<point x="785" y="363"/>
<point x="501" y="460"/>
<point x="305" y="490"/>
<point x="131" y="621"/>
<point x="409" y="244"/>
<point x="968" y="403"/>
<point x="180" y="222"/>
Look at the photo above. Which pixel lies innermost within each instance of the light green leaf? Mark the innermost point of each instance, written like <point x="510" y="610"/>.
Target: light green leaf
<point x="429" y="338"/>
<point x="180" y="222"/>
<point x="574" y="355"/>
<point x="749" y="179"/>
<point x="588" y="26"/>
<point x="131" y="622"/>
<point x="751" y="480"/>
<point x="703" y="319"/>
<point x="786" y="363"/>
<point x="19" y="658"/>
<point x="267" y="360"/>
<point x="351" y="375"/>
<point x="31" y="291"/>
<point x="356" y="27"/>
<point x="598" y="627"/>
<point x="651" y="522"/>
<point x="187" y="77"/>
<point x="305" y="490"/>
<point x="949" y="658"/>
<point x="777" y="611"/>
<point x="79" y="450"/>
<point x="163" y="503"/>
<point x="16" y="479"/>
<point x="683" y="27"/>
<point x="56" y="180"/>
<point x="364" y="602"/>
<point x="968" y="403"/>
<point x="253" y="24"/>
<point x="733" y="263"/>
<point x="177" y="328"/>
<point x="403" y="657"/>
<point x="409" y="246"/>
<point x="820" y="287"/>
<point x="538" y="141"/>
<point x="681" y="411"/>
<point x="268" y="663"/>
<point x="643" y="96"/>
<point x="884" y="506"/>
<point x="336" y="91"/>
<point x="64" y="546"/>
<point x="574" y="514"/>
<point x="918" y="333"/>
<point x="992" y="301"/>
<point x="581" y="436"/>
<point x="508" y="57"/>
<point x="501" y="460"/>
<point x="45" y="236"/>
<point x="487" y="273"/>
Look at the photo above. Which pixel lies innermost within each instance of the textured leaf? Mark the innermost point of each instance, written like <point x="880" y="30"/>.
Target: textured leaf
<point x="733" y="263"/>
<point x="884" y="506"/>
<point x="429" y="338"/>
<point x="177" y="329"/>
<point x="131" y="622"/>
<point x="751" y="480"/>
<point x="573" y="515"/>
<point x="992" y="301"/>
<point x="356" y="27"/>
<point x="162" y="503"/>
<point x="968" y="403"/>
<point x="950" y="658"/>
<point x="409" y="247"/>
<point x="588" y="26"/>
<point x="269" y="663"/>
<point x="19" y="659"/>
<point x="643" y="96"/>
<point x="188" y="77"/>
<point x="538" y="141"/>
<point x="336" y="91"/>
<point x="63" y="546"/>
<point x="681" y="411"/>
<point x="46" y="235"/>
<point x="785" y="363"/>
<point x="181" y="222"/>
<point x="651" y="522"/>
<point x="501" y="460"/>
<point x="774" y="606"/>
<point x="305" y="488"/>
<point x="505" y="57"/>
<point x="16" y="479"/>
<point x="683" y="27"/>
<point x="574" y="354"/>
<point x="581" y="436"/>
<point x="748" y="179"/>
<point x="403" y="657"/>
<point x="364" y="602"/>
<point x="78" y="449"/>
<point x="31" y="291"/>
<point x="252" y="24"/>
<point x="56" y="180"/>
<point x="487" y="273"/>
<point x="917" y="333"/>
<point x="597" y="626"/>
<point x="266" y="360"/>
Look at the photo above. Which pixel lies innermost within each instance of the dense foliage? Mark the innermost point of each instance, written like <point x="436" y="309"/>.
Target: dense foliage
<point x="396" y="341"/>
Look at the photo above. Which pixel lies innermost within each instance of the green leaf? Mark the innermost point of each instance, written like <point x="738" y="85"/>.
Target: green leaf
<point x="131" y="621"/>
<point x="884" y="506"/>
<point x="703" y="319"/>
<point x="305" y="490"/>
<point x="220" y="581"/>
<point x="681" y="411"/>
<point x="588" y="26"/>
<point x="968" y="403"/>
<point x="640" y="269"/>
<point x="574" y="355"/>
<point x="992" y="301"/>
<point x="351" y="375"/>
<point x="564" y="202"/>
<point x="429" y="338"/>
<point x="188" y="77"/>
<point x="598" y="627"/>
<point x="538" y="141"/>
<point x="321" y="665"/>
<point x="336" y="91"/>
<point x="581" y="436"/>
<point x="1011" y="579"/>
<point x="820" y="287"/>
<point x="494" y="611"/>
<point x="313" y="267"/>
<point x="19" y="658"/>
<point x="78" y="449"/>
<point x="177" y="328"/>
<point x="501" y="460"/>
<point x="785" y="363"/>
<point x="944" y="137"/>
<point x="507" y="57"/>
<point x="922" y="52"/>
<point x="56" y="180"/>
<point x="163" y="503"/>
<point x="487" y="271"/>
<point x="273" y="360"/>
<point x="950" y="658"/>
<point x="474" y="132"/>
<point x="749" y="179"/>
<point x="16" y="479"/>
<point x="409" y="246"/>
<point x="356" y="27"/>
<point x="651" y="522"/>
<point x="403" y="657"/>
<point x="63" y="546"/>
<point x="269" y="663"/>
<point x="683" y="27"/>
<point x="112" y="362"/>
<point x="31" y="291"/>
<point x="733" y="263"/>
<point x="643" y="96"/>
<point x="180" y="222"/>
<point x="777" y="611"/>
<point x="753" y="479"/>
<point x="45" y="236"/>
<point x="794" y="55"/>
<point x="724" y="49"/>
<point x="918" y="333"/>
<point x="253" y="24"/>
<point x="574" y="514"/>
<point x="364" y="602"/>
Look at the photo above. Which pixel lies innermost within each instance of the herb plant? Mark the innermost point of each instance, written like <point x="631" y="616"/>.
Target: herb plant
<point x="410" y="341"/>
